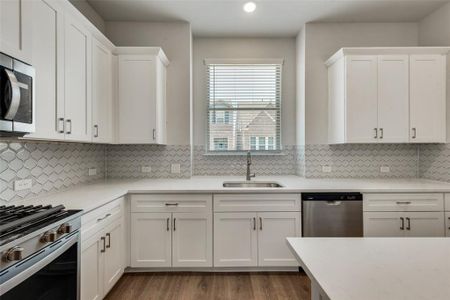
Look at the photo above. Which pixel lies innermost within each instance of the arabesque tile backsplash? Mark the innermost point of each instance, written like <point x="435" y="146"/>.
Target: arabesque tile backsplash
<point x="57" y="166"/>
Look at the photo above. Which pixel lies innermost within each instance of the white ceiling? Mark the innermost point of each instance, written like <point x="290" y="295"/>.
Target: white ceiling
<point x="271" y="18"/>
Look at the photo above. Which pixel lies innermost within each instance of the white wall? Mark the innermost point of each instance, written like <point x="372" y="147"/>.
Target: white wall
<point x="175" y="39"/>
<point x="322" y="40"/>
<point x="244" y="48"/>
<point x="86" y="9"/>
<point x="434" y="30"/>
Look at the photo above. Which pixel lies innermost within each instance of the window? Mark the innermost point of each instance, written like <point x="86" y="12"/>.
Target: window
<point x="244" y="106"/>
<point x="262" y="143"/>
<point x="220" y="144"/>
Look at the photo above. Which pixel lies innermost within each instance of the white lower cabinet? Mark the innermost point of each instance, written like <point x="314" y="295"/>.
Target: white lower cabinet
<point x="150" y="240"/>
<point x="102" y="261"/>
<point x="243" y="239"/>
<point x="399" y="224"/>
<point x="171" y="240"/>
<point x="102" y="249"/>
<point x="91" y="269"/>
<point x="191" y="240"/>
<point x="235" y="240"/>
<point x="274" y="228"/>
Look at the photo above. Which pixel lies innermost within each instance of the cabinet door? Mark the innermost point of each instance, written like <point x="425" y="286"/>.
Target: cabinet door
<point x="235" y="240"/>
<point x="361" y="99"/>
<point x="384" y="224"/>
<point x="137" y="99"/>
<point x="425" y="224"/>
<point x="77" y="81"/>
<point x="274" y="228"/>
<point x="113" y="255"/>
<point x="91" y="281"/>
<point x="192" y="240"/>
<point x="101" y="93"/>
<point x="427" y="98"/>
<point x="393" y="98"/>
<point x="151" y="240"/>
<point x="161" y="131"/>
<point x="16" y="29"/>
<point x="48" y="47"/>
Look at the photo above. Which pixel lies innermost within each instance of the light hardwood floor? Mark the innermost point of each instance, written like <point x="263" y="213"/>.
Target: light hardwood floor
<point x="223" y="286"/>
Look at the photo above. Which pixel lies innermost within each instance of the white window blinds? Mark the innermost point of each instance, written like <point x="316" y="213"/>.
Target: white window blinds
<point x="244" y="106"/>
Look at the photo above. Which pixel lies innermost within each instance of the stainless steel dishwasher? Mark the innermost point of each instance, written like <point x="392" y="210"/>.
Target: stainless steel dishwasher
<point x="332" y="214"/>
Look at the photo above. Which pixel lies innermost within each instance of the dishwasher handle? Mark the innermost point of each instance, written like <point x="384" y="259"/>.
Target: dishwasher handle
<point x="334" y="202"/>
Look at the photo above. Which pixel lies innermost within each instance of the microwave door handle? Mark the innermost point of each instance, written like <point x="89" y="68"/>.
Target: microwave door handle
<point x="15" y="95"/>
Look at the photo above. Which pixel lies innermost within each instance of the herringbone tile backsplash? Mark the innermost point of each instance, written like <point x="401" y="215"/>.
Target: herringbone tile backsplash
<point x="51" y="166"/>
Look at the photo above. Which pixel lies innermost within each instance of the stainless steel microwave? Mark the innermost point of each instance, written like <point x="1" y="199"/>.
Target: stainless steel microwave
<point x="17" y="106"/>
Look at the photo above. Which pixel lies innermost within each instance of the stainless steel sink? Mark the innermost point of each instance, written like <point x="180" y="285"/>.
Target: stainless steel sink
<point x="251" y="184"/>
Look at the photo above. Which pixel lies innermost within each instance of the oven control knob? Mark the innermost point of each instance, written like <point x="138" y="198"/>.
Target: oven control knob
<point x="13" y="254"/>
<point x="65" y="228"/>
<point x="49" y="236"/>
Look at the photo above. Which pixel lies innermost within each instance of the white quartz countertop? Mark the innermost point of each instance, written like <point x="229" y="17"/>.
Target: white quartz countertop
<point x="93" y="195"/>
<point x="377" y="268"/>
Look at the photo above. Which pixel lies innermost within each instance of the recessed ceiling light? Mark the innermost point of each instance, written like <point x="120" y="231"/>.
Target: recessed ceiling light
<point x="249" y="7"/>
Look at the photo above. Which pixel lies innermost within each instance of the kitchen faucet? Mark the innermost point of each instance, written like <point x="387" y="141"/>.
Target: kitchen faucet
<point x="249" y="163"/>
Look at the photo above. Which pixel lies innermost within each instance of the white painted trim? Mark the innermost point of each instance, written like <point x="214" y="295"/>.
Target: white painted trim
<point x="274" y="61"/>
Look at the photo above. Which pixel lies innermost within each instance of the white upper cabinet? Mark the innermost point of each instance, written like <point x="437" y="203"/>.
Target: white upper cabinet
<point x="48" y="61"/>
<point x="427" y="100"/>
<point x="16" y="29"/>
<point x="361" y="98"/>
<point x="393" y="103"/>
<point x="142" y="96"/>
<point x="77" y="79"/>
<point x="387" y="95"/>
<point x="101" y="93"/>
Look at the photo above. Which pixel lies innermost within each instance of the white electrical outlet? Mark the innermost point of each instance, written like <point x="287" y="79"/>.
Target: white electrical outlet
<point x="25" y="184"/>
<point x="92" y="172"/>
<point x="146" y="169"/>
<point x="175" y="168"/>
<point x="326" y="169"/>
<point x="385" y="169"/>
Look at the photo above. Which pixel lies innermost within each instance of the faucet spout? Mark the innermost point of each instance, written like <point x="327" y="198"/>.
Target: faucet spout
<point x="249" y="175"/>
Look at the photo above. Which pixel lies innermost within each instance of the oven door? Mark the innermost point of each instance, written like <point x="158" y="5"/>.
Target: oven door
<point x="50" y="274"/>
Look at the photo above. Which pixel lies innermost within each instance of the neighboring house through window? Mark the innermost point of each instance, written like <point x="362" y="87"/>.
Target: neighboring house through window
<point x="244" y="105"/>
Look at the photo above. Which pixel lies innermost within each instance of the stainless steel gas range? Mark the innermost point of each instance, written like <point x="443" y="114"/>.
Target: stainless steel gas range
<point x="40" y="253"/>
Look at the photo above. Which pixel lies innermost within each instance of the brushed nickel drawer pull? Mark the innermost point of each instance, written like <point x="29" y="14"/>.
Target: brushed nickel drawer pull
<point x="167" y="224"/>
<point x="171" y="204"/>
<point x="402" y="227"/>
<point x="403" y="202"/>
<point x="108" y="235"/>
<point x="408" y="226"/>
<point x="104" y="244"/>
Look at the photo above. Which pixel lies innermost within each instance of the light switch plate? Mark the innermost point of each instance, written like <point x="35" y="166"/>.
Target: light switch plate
<point x="175" y="168"/>
<point x="146" y="169"/>
<point x="92" y="172"/>
<point x="385" y="169"/>
<point x="25" y="184"/>
<point x="326" y="169"/>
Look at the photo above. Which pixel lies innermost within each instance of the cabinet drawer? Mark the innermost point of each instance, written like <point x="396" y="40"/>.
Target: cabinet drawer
<point x="257" y="202"/>
<point x="96" y="220"/>
<point x="447" y="202"/>
<point x="403" y="202"/>
<point x="447" y="223"/>
<point x="171" y="203"/>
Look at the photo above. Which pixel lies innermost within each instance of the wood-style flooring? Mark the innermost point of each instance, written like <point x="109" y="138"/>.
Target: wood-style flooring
<point x="221" y="286"/>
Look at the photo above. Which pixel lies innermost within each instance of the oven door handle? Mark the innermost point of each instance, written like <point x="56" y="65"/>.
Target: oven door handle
<point x="31" y="270"/>
<point x="15" y="96"/>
